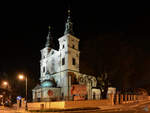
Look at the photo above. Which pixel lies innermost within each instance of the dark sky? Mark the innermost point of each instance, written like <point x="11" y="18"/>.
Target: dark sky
<point x="116" y="35"/>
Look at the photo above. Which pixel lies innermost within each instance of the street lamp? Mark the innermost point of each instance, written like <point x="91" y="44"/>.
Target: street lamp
<point x="22" y="77"/>
<point x="5" y="83"/>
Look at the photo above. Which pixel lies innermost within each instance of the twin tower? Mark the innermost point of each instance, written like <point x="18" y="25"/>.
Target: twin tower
<point x="56" y="61"/>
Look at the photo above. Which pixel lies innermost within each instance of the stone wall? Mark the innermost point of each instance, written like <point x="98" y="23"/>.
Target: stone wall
<point x="68" y="104"/>
<point x="87" y="103"/>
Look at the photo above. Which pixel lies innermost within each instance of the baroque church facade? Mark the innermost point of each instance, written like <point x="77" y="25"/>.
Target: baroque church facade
<point x="60" y="76"/>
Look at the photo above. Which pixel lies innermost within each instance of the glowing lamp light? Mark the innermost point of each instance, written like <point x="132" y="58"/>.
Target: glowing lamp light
<point x="5" y="83"/>
<point x="21" y="77"/>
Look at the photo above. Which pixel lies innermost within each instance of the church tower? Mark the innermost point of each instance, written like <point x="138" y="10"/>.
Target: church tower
<point x="69" y="55"/>
<point x="45" y="53"/>
<point x="69" y="48"/>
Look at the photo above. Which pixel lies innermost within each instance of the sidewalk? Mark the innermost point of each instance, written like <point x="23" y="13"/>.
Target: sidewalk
<point x="123" y="106"/>
<point x="118" y="107"/>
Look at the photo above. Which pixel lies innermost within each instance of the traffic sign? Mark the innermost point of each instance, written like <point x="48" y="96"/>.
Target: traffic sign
<point x="19" y="97"/>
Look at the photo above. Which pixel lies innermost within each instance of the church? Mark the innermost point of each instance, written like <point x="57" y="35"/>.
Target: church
<point x="60" y="76"/>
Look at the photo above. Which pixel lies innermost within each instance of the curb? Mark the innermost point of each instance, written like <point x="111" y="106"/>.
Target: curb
<point x="121" y="106"/>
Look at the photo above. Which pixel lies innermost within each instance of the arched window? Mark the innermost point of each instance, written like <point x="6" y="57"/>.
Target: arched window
<point x="73" y="61"/>
<point x="43" y="69"/>
<point x="63" y="46"/>
<point x="52" y="52"/>
<point x="73" y="46"/>
<point x="63" y="61"/>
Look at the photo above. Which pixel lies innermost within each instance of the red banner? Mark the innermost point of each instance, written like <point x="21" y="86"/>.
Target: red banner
<point x="78" y="90"/>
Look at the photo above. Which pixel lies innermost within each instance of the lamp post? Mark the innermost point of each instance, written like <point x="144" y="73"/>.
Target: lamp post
<point x="5" y="85"/>
<point x="21" y="77"/>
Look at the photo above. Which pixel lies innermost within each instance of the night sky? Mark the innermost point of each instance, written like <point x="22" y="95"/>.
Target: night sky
<point x="114" y="38"/>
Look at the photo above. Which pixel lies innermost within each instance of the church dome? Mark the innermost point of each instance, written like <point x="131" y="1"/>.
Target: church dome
<point x="48" y="83"/>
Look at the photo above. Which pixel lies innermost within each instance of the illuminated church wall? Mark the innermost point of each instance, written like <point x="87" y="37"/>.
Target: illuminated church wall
<point x="62" y="66"/>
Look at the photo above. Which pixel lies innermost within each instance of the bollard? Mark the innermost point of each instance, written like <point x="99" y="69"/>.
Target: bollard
<point x="121" y="98"/>
<point x="111" y="98"/>
<point x="117" y="99"/>
<point x="126" y="98"/>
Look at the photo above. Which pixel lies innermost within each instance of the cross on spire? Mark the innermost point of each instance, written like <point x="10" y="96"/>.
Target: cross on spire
<point x="69" y="25"/>
<point x="49" y="41"/>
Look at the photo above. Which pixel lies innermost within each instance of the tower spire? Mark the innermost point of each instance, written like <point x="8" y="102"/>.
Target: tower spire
<point x="49" y="41"/>
<point x="69" y="25"/>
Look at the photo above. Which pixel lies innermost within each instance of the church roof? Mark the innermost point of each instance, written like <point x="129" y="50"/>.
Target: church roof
<point x="48" y="83"/>
<point x="69" y="25"/>
<point x="37" y="87"/>
<point x="51" y="42"/>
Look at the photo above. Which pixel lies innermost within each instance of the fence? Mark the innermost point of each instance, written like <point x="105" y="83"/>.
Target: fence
<point x="129" y="98"/>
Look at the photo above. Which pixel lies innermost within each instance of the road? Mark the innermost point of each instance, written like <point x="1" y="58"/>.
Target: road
<point x="144" y="108"/>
